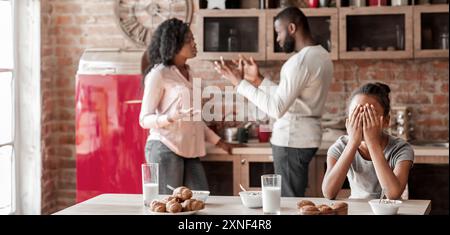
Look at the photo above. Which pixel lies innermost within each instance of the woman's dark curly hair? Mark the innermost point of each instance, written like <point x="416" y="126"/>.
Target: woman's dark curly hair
<point x="167" y="41"/>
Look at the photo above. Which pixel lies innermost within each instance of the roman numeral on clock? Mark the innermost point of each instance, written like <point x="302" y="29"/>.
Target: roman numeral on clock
<point x="142" y="34"/>
<point x="130" y="24"/>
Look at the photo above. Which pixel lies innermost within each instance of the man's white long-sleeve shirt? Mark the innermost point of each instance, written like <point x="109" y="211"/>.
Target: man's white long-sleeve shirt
<point x="298" y="101"/>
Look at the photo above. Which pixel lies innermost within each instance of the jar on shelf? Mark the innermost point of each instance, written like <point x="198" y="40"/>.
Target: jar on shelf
<point x="262" y="4"/>
<point x="399" y="2"/>
<point x="233" y="41"/>
<point x="358" y="3"/>
<point x="444" y="39"/>
<point x="324" y="3"/>
<point x="377" y="2"/>
<point x="400" y="37"/>
<point x="313" y="3"/>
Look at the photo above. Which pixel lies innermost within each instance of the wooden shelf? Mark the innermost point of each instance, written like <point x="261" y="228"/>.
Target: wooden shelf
<point x="405" y="12"/>
<point x="419" y="52"/>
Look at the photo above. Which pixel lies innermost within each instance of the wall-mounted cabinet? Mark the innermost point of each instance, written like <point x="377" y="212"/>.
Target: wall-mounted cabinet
<point x="231" y="32"/>
<point x="347" y="32"/>
<point x="431" y="31"/>
<point x="376" y="33"/>
<point x="324" y="27"/>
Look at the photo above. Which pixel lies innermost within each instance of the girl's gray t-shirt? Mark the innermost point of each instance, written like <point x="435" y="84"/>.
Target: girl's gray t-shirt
<point x="361" y="175"/>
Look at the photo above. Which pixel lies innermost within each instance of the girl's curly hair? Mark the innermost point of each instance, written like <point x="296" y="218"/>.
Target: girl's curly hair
<point x="167" y="41"/>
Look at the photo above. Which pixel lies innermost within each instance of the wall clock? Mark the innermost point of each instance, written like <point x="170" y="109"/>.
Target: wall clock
<point x="139" y="18"/>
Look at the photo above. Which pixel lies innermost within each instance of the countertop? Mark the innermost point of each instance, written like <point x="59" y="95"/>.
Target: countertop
<point x="128" y="204"/>
<point x="256" y="148"/>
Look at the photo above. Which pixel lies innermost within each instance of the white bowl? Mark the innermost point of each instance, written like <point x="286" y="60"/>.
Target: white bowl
<point x="251" y="199"/>
<point x="200" y="195"/>
<point x="386" y="207"/>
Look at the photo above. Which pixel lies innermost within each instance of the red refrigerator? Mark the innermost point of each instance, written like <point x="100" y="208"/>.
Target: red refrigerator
<point x="109" y="141"/>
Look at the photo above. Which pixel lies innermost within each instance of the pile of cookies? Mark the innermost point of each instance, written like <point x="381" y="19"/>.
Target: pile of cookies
<point x="309" y="208"/>
<point x="180" y="201"/>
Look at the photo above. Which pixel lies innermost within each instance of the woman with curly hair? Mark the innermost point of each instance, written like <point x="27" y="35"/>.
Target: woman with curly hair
<point x="176" y="142"/>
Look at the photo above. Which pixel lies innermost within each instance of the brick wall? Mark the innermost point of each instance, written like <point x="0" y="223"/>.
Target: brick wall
<point x="70" y="26"/>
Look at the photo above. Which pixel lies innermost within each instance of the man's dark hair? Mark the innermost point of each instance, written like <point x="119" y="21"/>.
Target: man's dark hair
<point x="295" y="16"/>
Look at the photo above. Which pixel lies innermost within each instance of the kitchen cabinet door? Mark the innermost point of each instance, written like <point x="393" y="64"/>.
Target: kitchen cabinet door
<point x="228" y="33"/>
<point x="324" y="28"/>
<point x="431" y="31"/>
<point x="376" y="32"/>
<point x="223" y="174"/>
<point x="254" y="166"/>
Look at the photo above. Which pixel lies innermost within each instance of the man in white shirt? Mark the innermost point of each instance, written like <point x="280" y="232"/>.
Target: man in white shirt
<point x="297" y="103"/>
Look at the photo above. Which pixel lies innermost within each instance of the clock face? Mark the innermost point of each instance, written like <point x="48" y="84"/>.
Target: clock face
<point x="139" y="18"/>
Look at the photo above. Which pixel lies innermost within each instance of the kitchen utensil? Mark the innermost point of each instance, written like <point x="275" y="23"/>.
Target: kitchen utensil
<point x="382" y="195"/>
<point x="233" y="40"/>
<point x="324" y="3"/>
<point x="377" y="2"/>
<point x="170" y="187"/>
<point x="358" y="3"/>
<point x="265" y="132"/>
<point x="262" y="4"/>
<point x="400" y="37"/>
<point x="399" y="2"/>
<point x="230" y="134"/>
<point x="444" y="39"/>
<point x="242" y="135"/>
<point x="253" y="131"/>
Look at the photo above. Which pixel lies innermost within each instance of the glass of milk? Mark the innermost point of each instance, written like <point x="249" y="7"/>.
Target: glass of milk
<point x="150" y="182"/>
<point x="271" y="194"/>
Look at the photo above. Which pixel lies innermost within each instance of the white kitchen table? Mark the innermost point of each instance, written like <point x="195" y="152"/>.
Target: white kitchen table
<point x="129" y="204"/>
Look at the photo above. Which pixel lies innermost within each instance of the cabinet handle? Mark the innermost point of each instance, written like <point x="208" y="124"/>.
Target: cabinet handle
<point x="243" y="161"/>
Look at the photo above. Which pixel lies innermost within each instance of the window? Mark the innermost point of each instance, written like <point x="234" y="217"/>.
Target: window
<point x="7" y="167"/>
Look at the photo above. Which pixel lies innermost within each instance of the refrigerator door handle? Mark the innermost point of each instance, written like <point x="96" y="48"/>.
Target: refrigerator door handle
<point x="133" y="102"/>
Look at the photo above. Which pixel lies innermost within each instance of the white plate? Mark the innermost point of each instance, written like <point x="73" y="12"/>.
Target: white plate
<point x="167" y="213"/>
